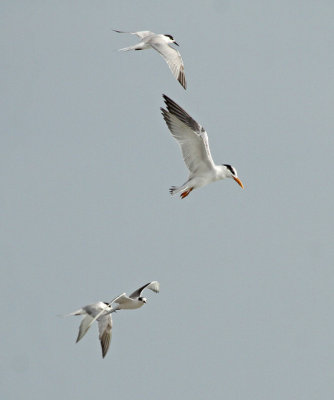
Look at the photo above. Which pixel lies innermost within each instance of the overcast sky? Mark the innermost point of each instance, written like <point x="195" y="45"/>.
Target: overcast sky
<point x="246" y="303"/>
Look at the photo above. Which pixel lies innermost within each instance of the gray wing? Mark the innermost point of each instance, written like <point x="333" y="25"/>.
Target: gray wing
<point x="122" y="298"/>
<point x="84" y="326"/>
<point x="173" y="59"/>
<point x="191" y="137"/>
<point x="155" y="286"/>
<point x="105" y="325"/>
<point x="140" y="34"/>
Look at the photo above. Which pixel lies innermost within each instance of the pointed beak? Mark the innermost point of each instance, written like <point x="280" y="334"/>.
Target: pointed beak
<point x="238" y="181"/>
<point x="176" y="44"/>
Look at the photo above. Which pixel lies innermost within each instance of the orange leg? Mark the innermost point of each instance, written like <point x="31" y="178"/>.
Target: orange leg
<point x="185" y="194"/>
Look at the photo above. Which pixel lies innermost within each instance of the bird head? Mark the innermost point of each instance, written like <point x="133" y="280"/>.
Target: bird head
<point x="171" y="39"/>
<point x="231" y="172"/>
<point x="143" y="299"/>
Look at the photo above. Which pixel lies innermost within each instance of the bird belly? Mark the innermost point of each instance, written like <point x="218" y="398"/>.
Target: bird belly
<point x="132" y="305"/>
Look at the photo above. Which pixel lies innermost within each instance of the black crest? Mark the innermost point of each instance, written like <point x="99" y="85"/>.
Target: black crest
<point x="170" y="37"/>
<point x="230" y="168"/>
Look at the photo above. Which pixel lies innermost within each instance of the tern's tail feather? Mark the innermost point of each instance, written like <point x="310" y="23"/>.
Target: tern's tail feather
<point x="173" y="190"/>
<point x="78" y="312"/>
<point x="129" y="48"/>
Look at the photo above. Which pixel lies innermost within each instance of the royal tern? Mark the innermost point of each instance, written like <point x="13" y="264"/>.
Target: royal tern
<point x="161" y="43"/>
<point x="91" y="313"/>
<point x="194" y="144"/>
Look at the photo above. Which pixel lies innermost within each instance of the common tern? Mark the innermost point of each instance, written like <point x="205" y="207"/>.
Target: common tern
<point x="194" y="144"/>
<point x="91" y="313"/>
<point x="161" y="43"/>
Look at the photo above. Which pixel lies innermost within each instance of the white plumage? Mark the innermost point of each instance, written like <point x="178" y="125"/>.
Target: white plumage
<point x="194" y="144"/>
<point x="161" y="43"/>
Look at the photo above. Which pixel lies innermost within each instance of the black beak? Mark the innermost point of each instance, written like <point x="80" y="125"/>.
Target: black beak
<point x="176" y="44"/>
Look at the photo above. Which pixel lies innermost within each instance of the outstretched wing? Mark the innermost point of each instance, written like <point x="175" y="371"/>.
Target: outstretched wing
<point x="105" y="325"/>
<point x="173" y="59"/>
<point x="140" y="34"/>
<point x="191" y="137"/>
<point x="155" y="286"/>
<point x="84" y="326"/>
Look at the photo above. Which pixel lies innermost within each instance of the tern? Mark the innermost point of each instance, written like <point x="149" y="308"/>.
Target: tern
<point x="194" y="144"/>
<point x="101" y="312"/>
<point x="91" y="313"/>
<point x="161" y="43"/>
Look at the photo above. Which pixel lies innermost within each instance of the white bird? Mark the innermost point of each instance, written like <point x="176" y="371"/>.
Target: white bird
<point x="91" y="313"/>
<point x="134" y="300"/>
<point x="194" y="144"/>
<point x="161" y="43"/>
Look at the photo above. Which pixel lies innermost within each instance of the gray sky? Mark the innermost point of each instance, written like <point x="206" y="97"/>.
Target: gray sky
<point x="246" y="303"/>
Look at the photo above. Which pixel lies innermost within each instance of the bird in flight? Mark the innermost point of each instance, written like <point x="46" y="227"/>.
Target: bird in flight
<point x="194" y="144"/>
<point x="91" y="313"/>
<point x="101" y="312"/>
<point x="161" y="43"/>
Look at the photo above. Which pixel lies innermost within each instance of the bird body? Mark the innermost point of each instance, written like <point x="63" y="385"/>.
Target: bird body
<point x="161" y="43"/>
<point x="194" y="144"/>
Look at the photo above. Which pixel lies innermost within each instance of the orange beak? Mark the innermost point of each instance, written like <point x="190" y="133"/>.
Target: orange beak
<point x="238" y="181"/>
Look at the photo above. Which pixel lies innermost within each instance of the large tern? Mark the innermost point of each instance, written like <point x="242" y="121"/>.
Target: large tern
<point x="194" y="144"/>
<point x="161" y="43"/>
<point x="101" y="312"/>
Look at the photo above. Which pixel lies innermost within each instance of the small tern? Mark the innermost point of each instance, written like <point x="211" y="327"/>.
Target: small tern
<point x="101" y="312"/>
<point x="91" y="313"/>
<point x="135" y="300"/>
<point x="194" y="144"/>
<point x="161" y="43"/>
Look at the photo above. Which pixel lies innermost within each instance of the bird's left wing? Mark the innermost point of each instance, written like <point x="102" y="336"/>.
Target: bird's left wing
<point x="105" y="325"/>
<point x="140" y="34"/>
<point x="173" y="59"/>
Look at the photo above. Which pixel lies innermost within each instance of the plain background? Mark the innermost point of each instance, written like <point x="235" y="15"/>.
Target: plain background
<point x="246" y="303"/>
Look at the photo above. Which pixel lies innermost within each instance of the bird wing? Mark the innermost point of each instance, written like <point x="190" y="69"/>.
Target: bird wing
<point x="173" y="59"/>
<point x="122" y="298"/>
<point x="140" y="34"/>
<point x="84" y="326"/>
<point x="155" y="286"/>
<point x="191" y="137"/>
<point x="105" y="325"/>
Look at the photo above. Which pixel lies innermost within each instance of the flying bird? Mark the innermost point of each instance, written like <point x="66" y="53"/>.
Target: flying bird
<point x="194" y="144"/>
<point x="161" y="43"/>
<point x="101" y="312"/>
<point x="135" y="300"/>
<point x="91" y="313"/>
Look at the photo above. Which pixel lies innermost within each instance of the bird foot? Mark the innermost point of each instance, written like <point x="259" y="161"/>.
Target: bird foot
<point x="185" y="193"/>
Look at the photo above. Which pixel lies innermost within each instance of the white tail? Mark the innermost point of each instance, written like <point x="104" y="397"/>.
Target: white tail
<point x="128" y="48"/>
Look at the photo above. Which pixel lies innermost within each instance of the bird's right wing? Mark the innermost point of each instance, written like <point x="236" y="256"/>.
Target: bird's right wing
<point x="140" y="34"/>
<point x="155" y="286"/>
<point x="190" y="135"/>
<point x="84" y="326"/>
